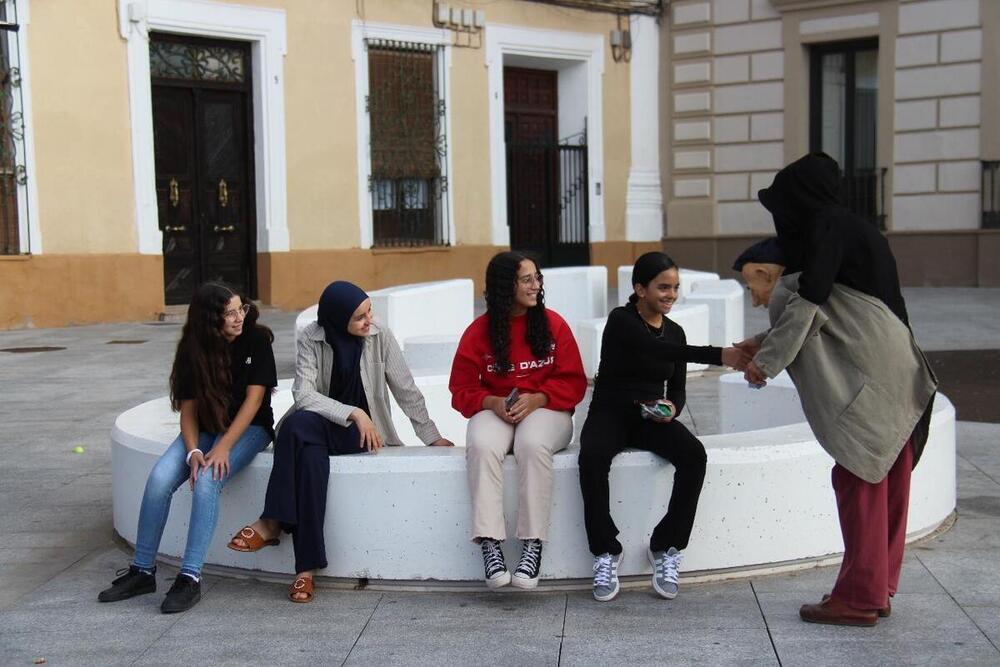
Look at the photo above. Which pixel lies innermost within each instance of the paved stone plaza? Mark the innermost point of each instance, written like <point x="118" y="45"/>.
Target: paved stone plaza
<point x="58" y="548"/>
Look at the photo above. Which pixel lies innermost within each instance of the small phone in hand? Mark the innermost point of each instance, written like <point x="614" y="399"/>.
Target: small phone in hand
<point x="511" y="399"/>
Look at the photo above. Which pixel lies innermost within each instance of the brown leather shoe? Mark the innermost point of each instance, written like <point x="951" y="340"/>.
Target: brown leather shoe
<point x="884" y="612"/>
<point x="832" y="612"/>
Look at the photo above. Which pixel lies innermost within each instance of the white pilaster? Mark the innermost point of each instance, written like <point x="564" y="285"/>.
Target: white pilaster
<point x="644" y="198"/>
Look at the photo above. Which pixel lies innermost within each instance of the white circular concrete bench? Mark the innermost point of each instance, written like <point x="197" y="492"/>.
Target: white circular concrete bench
<point x="402" y="517"/>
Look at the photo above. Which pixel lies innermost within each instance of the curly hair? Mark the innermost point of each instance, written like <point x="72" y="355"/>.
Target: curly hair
<point x="201" y="363"/>
<point x="501" y="281"/>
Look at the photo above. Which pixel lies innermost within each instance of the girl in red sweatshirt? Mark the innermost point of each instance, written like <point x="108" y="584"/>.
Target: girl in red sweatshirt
<point x="517" y="376"/>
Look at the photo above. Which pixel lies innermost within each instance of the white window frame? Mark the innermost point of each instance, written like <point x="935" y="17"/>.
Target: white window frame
<point x="265" y="29"/>
<point x="29" y="231"/>
<point x="360" y="31"/>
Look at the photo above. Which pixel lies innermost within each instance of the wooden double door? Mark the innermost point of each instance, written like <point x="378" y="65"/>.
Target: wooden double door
<point x="204" y="177"/>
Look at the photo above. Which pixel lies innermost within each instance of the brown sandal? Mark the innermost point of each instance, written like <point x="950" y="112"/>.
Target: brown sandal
<point x="252" y="541"/>
<point x="301" y="586"/>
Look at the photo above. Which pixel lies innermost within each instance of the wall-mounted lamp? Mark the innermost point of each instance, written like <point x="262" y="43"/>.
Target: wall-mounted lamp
<point x="461" y="21"/>
<point x="621" y="43"/>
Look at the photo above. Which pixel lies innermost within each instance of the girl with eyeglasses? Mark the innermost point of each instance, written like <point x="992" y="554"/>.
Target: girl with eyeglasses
<point x="221" y="383"/>
<point x="344" y="364"/>
<point x="517" y="375"/>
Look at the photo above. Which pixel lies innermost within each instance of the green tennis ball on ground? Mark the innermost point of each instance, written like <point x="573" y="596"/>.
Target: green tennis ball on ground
<point x="78" y="450"/>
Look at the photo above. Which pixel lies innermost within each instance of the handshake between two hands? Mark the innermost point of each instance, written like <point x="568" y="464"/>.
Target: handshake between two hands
<point x="740" y="356"/>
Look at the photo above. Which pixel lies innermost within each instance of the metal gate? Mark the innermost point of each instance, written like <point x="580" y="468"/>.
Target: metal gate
<point x="547" y="202"/>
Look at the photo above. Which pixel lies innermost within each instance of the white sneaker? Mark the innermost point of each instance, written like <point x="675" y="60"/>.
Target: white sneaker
<point x="606" y="584"/>
<point x="496" y="570"/>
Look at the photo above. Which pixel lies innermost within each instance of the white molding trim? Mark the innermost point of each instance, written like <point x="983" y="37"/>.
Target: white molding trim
<point x="360" y="31"/>
<point x="265" y="29"/>
<point x="29" y="228"/>
<point x="504" y="40"/>
<point x="644" y="195"/>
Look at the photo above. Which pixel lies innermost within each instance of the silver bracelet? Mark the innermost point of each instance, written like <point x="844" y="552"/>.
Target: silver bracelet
<point x="188" y="459"/>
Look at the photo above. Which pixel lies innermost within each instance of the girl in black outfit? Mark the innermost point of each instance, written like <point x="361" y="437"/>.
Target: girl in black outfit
<point x="640" y="351"/>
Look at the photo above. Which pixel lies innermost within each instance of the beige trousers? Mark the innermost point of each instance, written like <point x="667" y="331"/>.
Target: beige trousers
<point x="488" y="440"/>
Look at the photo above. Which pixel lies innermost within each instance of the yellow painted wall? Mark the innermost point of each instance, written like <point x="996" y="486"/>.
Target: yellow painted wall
<point x="79" y="88"/>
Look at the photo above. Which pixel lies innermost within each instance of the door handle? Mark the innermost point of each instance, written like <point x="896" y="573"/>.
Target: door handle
<point x="226" y="228"/>
<point x="175" y="228"/>
<point x="175" y="195"/>
<point x="223" y="193"/>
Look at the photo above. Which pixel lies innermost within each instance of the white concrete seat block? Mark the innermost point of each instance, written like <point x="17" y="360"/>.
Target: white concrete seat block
<point x="577" y="292"/>
<point x="403" y="514"/>
<point x="449" y="421"/>
<point x="441" y="307"/>
<point x="588" y="338"/>
<point x="430" y="355"/>
<point x="742" y="408"/>
<point x="694" y="319"/>
<point x="725" y="302"/>
<point x="690" y="278"/>
<point x="625" y="288"/>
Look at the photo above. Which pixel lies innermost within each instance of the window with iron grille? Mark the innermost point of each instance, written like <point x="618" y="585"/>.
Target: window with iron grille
<point x="991" y="194"/>
<point x="406" y="111"/>
<point x="13" y="231"/>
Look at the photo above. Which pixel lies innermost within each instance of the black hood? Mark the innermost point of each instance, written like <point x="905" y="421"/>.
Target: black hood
<point x="800" y="191"/>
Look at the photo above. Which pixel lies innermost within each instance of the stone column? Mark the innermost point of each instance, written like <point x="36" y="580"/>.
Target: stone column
<point x="644" y="199"/>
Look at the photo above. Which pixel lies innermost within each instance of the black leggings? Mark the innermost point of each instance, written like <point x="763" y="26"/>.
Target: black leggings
<point x="609" y="431"/>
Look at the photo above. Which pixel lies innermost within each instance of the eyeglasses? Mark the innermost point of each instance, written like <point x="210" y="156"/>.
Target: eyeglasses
<point x="527" y="280"/>
<point x="233" y="315"/>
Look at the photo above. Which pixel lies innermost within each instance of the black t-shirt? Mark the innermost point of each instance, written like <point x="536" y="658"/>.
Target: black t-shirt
<point x="251" y="362"/>
<point x="636" y="361"/>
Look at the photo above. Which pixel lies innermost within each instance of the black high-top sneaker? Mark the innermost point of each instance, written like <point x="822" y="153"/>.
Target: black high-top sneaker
<point x="526" y="574"/>
<point x="496" y="570"/>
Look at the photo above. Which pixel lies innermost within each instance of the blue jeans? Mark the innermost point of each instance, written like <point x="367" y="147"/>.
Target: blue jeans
<point x="169" y="473"/>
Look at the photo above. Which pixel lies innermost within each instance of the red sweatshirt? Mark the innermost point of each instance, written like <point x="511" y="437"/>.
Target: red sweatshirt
<point x="559" y="376"/>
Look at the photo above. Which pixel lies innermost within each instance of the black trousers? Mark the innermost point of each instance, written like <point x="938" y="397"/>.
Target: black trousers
<point x="610" y="430"/>
<point x="296" y="490"/>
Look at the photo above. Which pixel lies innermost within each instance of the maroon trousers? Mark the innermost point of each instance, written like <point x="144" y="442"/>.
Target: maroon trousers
<point x="873" y="523"/>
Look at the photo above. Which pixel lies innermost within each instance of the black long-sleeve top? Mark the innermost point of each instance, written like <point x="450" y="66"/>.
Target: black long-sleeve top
<point x="635" y="363"/>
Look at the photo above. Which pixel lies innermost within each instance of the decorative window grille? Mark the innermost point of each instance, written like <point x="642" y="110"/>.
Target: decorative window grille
<point x="13" y="176"/>
<point x="406" y="111"/>
<point x="194" y="62"/>
<point x="991" y="194"/>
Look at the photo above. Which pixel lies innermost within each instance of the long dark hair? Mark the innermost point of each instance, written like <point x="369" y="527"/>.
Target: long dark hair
<point x="501" y="278"/>
<point x="647" y="267"/>
<point x="201" y="364"/>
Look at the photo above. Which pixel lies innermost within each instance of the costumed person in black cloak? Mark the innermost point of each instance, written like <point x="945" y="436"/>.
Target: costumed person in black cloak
<point x="343" y="362"/>
<point x="839" y="326"/>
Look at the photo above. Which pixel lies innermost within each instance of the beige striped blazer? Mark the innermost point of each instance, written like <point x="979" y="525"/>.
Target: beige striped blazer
<point x="383" y="369"/>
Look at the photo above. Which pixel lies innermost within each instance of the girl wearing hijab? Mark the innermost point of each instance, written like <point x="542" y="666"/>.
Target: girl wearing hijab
<point x="221" y="384"/>
<point x="517" y="376"/>
<point x="342" y="365"/>
<point x="643" y="351"/>
<point x="869" y="376"/>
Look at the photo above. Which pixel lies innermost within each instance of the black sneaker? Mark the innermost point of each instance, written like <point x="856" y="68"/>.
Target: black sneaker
<point x="496" y="570"/>
<point x="130" y="582"/>
<point x="184" y="594"/>
<point x="526" y="574"/>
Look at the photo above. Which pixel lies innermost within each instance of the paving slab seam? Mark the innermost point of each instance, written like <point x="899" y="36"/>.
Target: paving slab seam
<point x="957" y="603"/>
<point x="767" y="626"/>
<point x="985" y="474"/>
<point x="177" y="619"/>
<point x="562" y="633"/>
<point x="363" y="628"/>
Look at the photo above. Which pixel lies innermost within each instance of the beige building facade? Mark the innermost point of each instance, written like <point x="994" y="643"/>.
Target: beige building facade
<point x="305" y="98"/>
<point x="902" y="92"/>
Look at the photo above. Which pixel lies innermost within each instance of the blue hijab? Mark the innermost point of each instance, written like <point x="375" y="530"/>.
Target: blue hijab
<point x="339" y="301"/>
